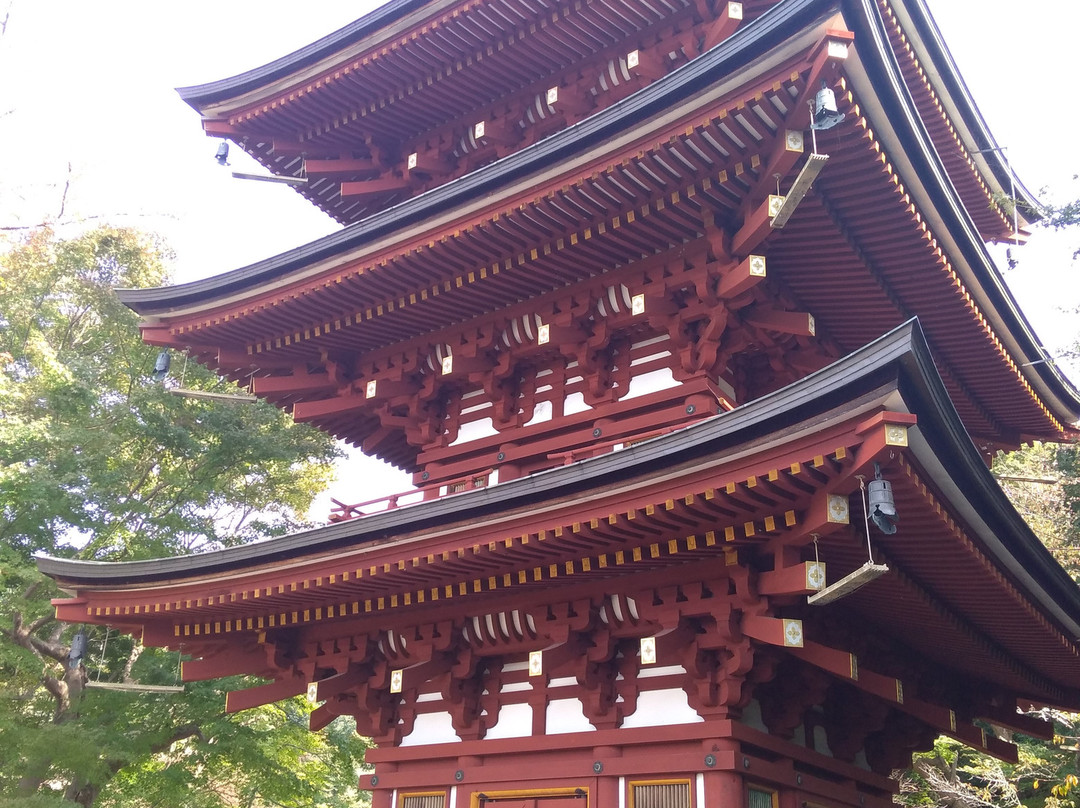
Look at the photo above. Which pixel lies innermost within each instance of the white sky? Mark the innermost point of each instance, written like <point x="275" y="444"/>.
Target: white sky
<point x="91" y="83"/>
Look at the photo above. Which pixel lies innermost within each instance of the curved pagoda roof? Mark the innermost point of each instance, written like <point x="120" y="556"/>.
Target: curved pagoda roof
<point x="414" y="78"/>
<point x="893" y="227"/>
<point x="658" y="186"/>
<point x="970" y="586"/>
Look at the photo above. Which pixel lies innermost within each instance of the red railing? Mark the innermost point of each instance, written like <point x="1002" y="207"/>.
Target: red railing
<point x="342" y="512"/>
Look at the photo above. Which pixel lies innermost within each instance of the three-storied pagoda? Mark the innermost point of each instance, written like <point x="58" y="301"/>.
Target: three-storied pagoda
<point x="697" y="369"/>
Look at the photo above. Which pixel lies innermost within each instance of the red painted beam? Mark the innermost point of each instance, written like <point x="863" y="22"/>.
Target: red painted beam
<point x="575" y="99"/>
<point x="651" y="64"/>
<point x="297" y="385"/>
<point x="755" y="229"/>
<point x="723" y="26"/>
<point x="241" y="359"/>
<point x="338" y="405"/>
<point x="828" y="511"/>
<point x="162" y="336"/>
<point x="502" y="132"/>
<point x="280" y="147"/>
<point x="846" y="666"/>
<point x="773" y="630"/>
<point x="233" y="662"/>
<point x="1030" y="725"/>
<point x="428" y="163"/>
<point x="321" y="716"/>
<point x="366" y="188"/>
<point x="237" y="700"/>
<point x="790" y="580"/>
<point x="333" y="686"/>
<point x="220" y="129"/>
<point x="70" y="610"/>
<point x="338" y="167"/>
<point x="800" y="323"/>
<point x="742" y="277"/>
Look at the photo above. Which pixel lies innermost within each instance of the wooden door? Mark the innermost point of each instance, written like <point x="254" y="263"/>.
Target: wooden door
<point x="539" y="801"/>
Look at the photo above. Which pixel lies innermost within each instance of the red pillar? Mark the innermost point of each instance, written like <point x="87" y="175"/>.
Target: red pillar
<point x="723" y="790"/>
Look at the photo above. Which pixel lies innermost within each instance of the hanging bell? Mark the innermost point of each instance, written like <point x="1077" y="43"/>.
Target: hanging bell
<point x="826" y="115"/>
<point x="161" y="365"/>
<point x="880" y="503"/>
<point x="77" y="650"/>
<point x="222" y="155"/>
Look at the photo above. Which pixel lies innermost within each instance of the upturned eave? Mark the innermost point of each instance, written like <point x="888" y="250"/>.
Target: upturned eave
<point x="373" y="25"/>
<point x="896" y="122"/>
<point x="942" y="484"/>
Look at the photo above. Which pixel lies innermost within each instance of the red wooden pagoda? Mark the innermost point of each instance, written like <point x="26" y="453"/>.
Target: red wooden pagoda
<point x="652" y="321"/>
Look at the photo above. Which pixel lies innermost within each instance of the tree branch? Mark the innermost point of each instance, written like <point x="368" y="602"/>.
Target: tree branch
<point x="31" y="590"/>
<point x="41" y="225"/>
<point x="136" y="652"/>
<point x="22" y="635"/>
<point x="63" y="195"/>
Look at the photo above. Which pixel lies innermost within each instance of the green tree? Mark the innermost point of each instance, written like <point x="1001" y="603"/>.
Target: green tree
<point x="93" y="451"/>
<point x="100" y="461"/>
<point x="956" y="776"/>
<point x="1043" y="483"/>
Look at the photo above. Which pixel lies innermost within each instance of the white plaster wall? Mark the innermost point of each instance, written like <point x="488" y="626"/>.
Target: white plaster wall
<point x="567" y="715"/>
<point x="515" y="687"/>
<point x="575" y="403"/>
<point x="474" y="430"/>
<point x="515" y="721"/>
<point x="659" y="379"/>
<point x="541" y="413"/>
<point x="654" y="671"/>
<point x="660" y="708"/>
<point x="431" y="728"/>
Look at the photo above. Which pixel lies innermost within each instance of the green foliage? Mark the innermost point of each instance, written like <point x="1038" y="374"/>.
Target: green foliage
<point x="99" y="461"/>
<point x="1060" y="216"/>
<point x="92" y="450"/>
<point x="1067" y="462"/>
<point x="262" y="756"/>
<point x="1043" y="483"/>
<point x="1049" y="212"/>
<point x="957" y="776"/>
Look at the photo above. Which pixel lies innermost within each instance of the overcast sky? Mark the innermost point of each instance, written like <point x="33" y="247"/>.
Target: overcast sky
<point x="91" y="84"/>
